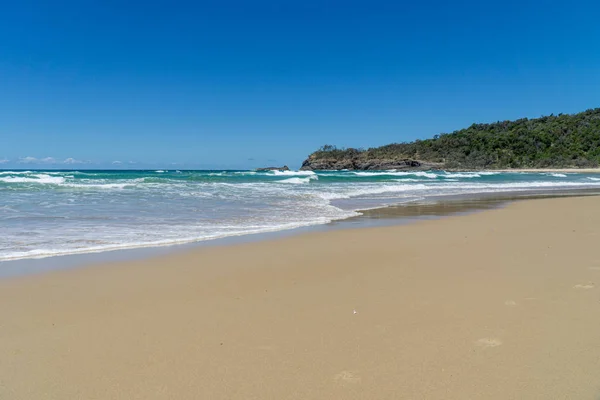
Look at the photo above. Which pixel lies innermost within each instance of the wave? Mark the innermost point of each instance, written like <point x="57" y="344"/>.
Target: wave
<point x="229" y="173"/>
<point x="520" y="186"/>
<point x="461" y="175"/>
<point x="239" y="231"/>
<point x="372" y="191"/>
<point x="61" y="181"/>
<point x="442" y="188"/>
<point x="296" y="180"/>
<point x="593" y="179"/>
<point x="291" y="173"/>
<point x="99" y="185"/>
<point x="488" y="173"/>
<point x="429" y="175"/>
<point x="15" y="172"/>
<point x="556" y="175"/>
<point x="40" y="179"/>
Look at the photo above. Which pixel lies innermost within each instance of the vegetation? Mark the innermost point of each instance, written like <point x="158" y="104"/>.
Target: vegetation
<point x="547" y="142"/>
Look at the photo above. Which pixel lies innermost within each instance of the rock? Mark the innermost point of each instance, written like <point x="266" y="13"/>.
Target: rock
<point x="284" y="168"/>
<point x="371" y="164"/>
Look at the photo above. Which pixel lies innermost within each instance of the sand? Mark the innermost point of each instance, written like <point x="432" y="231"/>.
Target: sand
<point x="566" y="170"/>
<point x="501" y="304"/>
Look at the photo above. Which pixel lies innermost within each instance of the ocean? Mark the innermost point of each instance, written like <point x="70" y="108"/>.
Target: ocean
<point x="48" y="213"/>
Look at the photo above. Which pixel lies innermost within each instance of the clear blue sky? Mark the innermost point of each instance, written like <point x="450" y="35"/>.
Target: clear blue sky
<point x="244" y="84"/>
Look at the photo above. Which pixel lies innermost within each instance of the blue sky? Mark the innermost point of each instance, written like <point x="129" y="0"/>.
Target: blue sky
<point x="234" y="84"/>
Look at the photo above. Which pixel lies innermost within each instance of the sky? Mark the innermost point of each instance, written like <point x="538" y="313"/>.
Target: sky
<point x="244" y="84"/>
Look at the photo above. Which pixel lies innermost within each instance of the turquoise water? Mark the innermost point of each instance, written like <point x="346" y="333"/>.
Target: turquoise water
<point x="45" y="213"/>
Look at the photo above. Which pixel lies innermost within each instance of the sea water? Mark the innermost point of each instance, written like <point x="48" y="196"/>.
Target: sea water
<point x="46" y="213"/>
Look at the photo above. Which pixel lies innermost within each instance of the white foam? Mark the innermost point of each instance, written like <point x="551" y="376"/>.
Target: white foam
<point x="372" y="190"/>
<point x="429" y="175"/>
<point x="296" y="181"/>
<point x="291" y="173"/>
<point x="486" y="187"/>
<point x="15" y="172"/>
<point x="98" y="185"/>
<point x="461" y="175"/>
<point x="160" y="171"/>
<point x="448" y="186"/>
<point x="556" y="175"/>
<point x="38" y="178"/>
<point x="593" y="179"/>
<point x="487" y="173"/>
<point x="236" y="230"/>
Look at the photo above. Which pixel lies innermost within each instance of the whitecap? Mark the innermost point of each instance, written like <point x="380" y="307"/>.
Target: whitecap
<point x="296" y="181"/>
<point x="291" y="173"/>
<point x="461" y="175"/>
<point x="15" y="172"/>
<point x="373" y="190"/>
<point x="488" y="173"/>
<point x="98" y="185"/>
<point x="38" y="178"/>
<point x="429" y="175"/>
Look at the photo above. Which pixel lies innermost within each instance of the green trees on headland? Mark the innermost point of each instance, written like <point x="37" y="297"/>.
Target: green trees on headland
<point x="553" y="141"/>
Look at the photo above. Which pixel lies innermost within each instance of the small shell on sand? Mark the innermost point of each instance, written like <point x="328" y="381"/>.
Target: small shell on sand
<point x="584" y="286"/>
<point x="488" y="342"/>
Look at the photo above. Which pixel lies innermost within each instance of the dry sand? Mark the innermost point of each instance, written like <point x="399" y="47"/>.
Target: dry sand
<point x="502" y="304"/>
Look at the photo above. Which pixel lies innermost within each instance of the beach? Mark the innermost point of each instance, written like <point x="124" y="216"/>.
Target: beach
<point x="498" y="304"/>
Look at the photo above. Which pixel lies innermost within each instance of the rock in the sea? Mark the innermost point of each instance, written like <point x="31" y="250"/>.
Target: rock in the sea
<point x="284" y="168"/>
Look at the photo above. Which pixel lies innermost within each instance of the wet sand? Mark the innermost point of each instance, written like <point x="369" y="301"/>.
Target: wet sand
<point x="560" y="170"/>
<point x="499" y="304"/>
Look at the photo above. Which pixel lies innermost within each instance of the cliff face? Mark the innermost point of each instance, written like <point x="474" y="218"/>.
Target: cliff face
<point x="561" y="141"/>
<point x="325" y="164"/>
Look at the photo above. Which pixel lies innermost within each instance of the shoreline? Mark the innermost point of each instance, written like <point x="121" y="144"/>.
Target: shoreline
<point x="581" y="170"/>
<point x="518" y="170"/>
<point x="386" y="215"/>
<point x="497" y="304"/>
<point x="559" y="170"/>
<point x="66" y="225"/>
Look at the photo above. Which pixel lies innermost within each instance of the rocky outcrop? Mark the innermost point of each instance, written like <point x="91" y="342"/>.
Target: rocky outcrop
<point x="324" y="164"/>
<point x="266" y="169"/>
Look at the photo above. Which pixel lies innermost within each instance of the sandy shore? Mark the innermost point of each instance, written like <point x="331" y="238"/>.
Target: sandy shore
<point x="559" y="170"/>
<point x="502" y="304"/>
